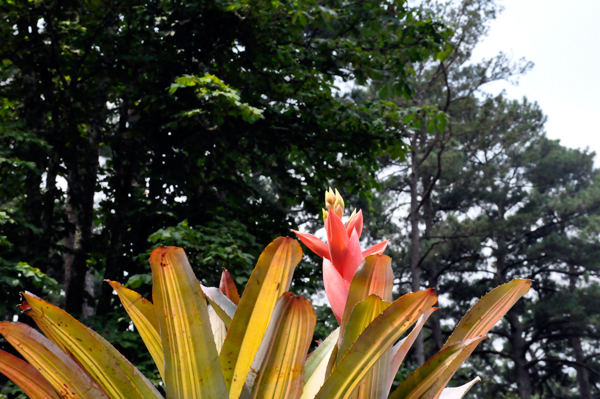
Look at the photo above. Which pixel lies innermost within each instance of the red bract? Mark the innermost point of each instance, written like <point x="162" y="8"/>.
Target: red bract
<point x="341" y="257"/>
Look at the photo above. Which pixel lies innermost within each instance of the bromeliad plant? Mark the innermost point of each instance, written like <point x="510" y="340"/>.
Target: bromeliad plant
<point x="210" y="343"/>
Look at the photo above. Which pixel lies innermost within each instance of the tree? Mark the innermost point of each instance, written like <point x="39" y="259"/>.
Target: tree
<point x="445" y="90"/>
<point x="476" y="206"/>
<point x="258" y="136"/>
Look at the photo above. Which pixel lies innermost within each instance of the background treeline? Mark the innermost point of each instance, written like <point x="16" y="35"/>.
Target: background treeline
<point x="217" y="126"/>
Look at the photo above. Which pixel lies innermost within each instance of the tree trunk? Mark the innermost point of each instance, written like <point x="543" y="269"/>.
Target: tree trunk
<point x="414" y="237"/>
<point x="116" y="225"/>
<point x="518" y="356"/>
<point x="583" y="376"/>
<point x="517" y="342"/>
<point x="431" y="267"/>
<point x="82" y="176"/>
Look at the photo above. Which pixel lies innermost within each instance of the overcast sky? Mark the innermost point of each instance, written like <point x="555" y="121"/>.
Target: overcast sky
<point x="562" y="38"/>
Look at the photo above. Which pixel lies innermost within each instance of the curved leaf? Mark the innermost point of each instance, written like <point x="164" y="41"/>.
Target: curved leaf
<point x="363" y="314"/>
<point x="430" y="379"/>
<point x="222" y="305"/>
<point x="321" y="355"/>
<point x="400" y="350"/>
<point x="63" y="373"/>
<point x="192" y="368"/>
<point x="26" y="377"/>
<point x="373" y="384"/>
<point x="488" y="310"/>
<point x="279" y="362"/>
<point x="269" y="280"/>
<point x="143" y="315"/>
<point x="377" y="338"/>
<point x="373" y="276"/>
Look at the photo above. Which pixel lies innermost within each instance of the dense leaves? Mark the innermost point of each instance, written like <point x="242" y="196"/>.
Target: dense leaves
<point x="122" y="118"/>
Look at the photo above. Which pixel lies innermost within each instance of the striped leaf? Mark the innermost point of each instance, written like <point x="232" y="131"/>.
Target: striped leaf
<point x="488" y="310"/>
<point x="373" y="276"/>
<point x="375" y="340"/>
<point x="61" y="372"/>
<point x="278" y="368"/>
<point x="143" y="315"/>
<point x="373" y="384"/>
<point x="26" y="377"/>
<point x="429" y="380"/>
<point x="317" y="365"/>
<point x="400" y="350"/>
<point x="270" y="279"/>
<point x="192" y="369"/>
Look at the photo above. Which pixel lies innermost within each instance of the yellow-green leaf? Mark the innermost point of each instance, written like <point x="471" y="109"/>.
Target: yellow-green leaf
<point x="362" y="315"/>
<point x="142" y="313"/>
<point x="26" y="377"/>
<point x="278" y="368"/>
<point x="400" y="350"/>
<point x="270" y="279"/>
<point x="192" y="368"/>
<point x="488" y="310"/>
<point x="377" y="338"/>
<point x="59" y="370"/>
<point x="317" y="365"/>
<point x="373" y="384"/>
<point x="115" y="374"/>
<point x="373" y="276"/>
<point x="430" y="379"/>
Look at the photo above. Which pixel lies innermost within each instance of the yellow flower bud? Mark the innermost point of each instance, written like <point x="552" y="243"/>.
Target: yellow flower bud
<point x="329" y="198"/>
<point x="335" y="202"/>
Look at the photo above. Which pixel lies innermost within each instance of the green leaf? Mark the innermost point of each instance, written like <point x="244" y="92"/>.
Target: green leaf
<point x="321" y="355"/>
<point x="374" y="383"/>
<point x="377" y="338"/>
<point x="400" y="350"/>
<point x="373" y="276"/>
<point x="432" y="377"/>
<point x="488" y="310"/>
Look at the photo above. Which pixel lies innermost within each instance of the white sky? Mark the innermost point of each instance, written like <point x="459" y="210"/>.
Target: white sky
<point x="562" y="38"/>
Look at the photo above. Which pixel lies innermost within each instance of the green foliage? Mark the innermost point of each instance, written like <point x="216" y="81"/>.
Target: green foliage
<point x="221" y="97"/>
<point x="155" y="113"/>
<point x="220" y="244"/>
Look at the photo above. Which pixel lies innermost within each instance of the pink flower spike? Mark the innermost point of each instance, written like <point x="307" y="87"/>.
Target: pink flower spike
<point x="337" y="239"/>
<point x="336" y="289"/>
<point x="376" y="249"/>
<point x="314" y="244"/>
<point x="355" y="224"/>
<point x="353" y="258"/>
